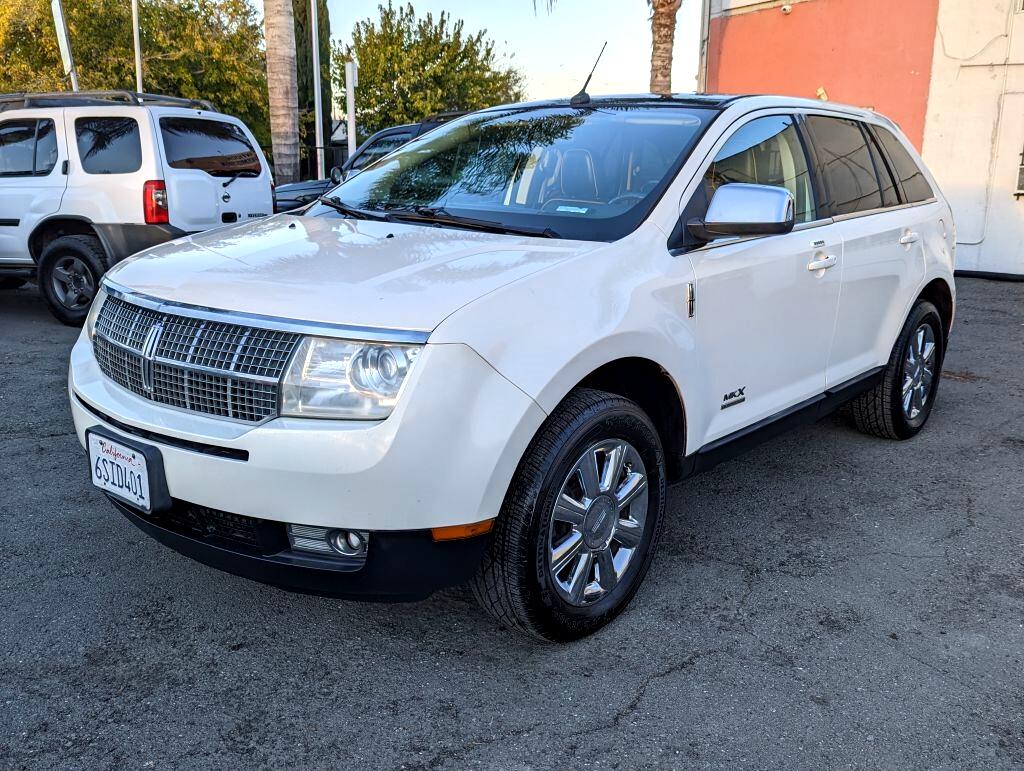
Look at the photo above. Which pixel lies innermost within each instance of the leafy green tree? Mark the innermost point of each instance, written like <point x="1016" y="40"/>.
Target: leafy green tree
<point x="304" y="72"/>
<point x="412" y="67"/>
<point x="201" y="49"/>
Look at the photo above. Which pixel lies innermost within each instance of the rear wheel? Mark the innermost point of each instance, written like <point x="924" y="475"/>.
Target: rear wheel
<point x="580" y="522"/>
<point x="899" y="405"/>
<point x="70" y="269"/>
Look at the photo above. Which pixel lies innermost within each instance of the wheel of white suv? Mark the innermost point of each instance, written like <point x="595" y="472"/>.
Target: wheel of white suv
<point x="899" y="405"/>
<point x="580" y="522"/>
<point x="70" y="269"/>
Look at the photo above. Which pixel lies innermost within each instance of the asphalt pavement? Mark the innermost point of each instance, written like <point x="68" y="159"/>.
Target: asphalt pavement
<point x="827" y="600"/>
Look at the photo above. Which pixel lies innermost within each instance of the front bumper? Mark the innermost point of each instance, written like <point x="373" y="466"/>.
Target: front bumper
<point x="398" y="567"/>
<point x="445" y="456"/>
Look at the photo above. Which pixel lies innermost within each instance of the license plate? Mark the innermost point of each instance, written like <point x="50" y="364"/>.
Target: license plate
<point x="119" y="470"/>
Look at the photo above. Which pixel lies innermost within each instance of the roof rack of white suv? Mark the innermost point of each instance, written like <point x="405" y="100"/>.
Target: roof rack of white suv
<point x="19" y="101"/>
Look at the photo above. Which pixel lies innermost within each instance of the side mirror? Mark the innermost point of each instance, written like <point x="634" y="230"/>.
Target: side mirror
<point x="739" y="209"/>
<point x="337" y="175"/>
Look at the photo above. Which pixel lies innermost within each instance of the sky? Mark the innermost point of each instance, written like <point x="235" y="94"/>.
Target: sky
<point x="556" y="50"/>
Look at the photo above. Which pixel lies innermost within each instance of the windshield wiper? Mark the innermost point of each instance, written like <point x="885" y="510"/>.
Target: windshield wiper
<point x="362" y="214"/>
<point x="242" y="173"/>
<point x="441" y="216"/>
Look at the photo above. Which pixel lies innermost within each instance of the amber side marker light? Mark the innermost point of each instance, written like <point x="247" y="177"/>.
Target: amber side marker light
<point x="455" y="532"/>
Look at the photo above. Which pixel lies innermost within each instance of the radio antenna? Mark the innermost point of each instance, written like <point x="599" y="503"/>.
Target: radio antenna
<point x="583" y="97"/>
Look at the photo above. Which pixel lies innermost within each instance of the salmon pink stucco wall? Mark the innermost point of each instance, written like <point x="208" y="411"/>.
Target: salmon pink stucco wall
<point x="869" y="53"/>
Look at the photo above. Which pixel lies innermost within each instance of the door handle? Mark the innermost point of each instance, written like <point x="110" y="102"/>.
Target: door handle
<point x="822" y="261"/>
<point x="908" y="238"/>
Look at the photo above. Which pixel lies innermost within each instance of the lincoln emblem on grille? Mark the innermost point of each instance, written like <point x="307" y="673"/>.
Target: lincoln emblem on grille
<point x="149" y="353"/>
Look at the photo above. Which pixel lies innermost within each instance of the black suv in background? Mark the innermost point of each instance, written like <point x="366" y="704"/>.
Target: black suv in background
<point x="296" y="194"/>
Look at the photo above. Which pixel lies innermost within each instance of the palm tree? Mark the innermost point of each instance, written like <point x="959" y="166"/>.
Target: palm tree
<point x="663" y="34"/>
<point x="282" y="85"/>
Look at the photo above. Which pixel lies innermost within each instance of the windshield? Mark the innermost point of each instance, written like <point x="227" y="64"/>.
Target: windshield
<point x="591" y="172"/>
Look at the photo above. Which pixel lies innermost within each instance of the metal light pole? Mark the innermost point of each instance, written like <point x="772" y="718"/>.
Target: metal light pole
<point x="138" y="46"/>
<point x="64" y="43"/>
<point x="317" y="96"/>
<point x="705" y="31"/>
<point x="351" y="81"/>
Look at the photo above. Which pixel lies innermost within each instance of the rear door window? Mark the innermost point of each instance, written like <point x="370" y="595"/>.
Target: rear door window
<point x="846" y="165"/>
<point x="27" y="148"/>
<point x="109" y="145"/>
<point x="915" y="186"/>
<point x="46" y="147"/>
<point x="219" y="148"/>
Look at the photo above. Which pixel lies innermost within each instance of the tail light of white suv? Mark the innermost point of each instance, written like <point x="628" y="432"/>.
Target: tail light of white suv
<point x="154" y="202"/>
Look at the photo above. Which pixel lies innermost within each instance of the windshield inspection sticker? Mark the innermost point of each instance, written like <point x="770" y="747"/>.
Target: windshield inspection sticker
<point x="574" y="209"/>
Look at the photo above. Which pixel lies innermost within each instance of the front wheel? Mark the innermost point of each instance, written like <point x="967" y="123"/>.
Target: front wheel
<point x="580" y="522"/>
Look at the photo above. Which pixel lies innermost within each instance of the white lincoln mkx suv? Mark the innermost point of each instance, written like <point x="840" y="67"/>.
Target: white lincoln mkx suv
<point x="482" y="359"/>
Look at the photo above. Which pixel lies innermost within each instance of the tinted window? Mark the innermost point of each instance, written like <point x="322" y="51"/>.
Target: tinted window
<point x="846" y="163"/>
<point x="886" y="180"/>
<point x="108" y="145"/>
<point x="915" y="186"/>
<point x="218" y="148"/>
<point x="17" y="145"/>
<point x="27" y="148"/>
<point x="591" y="174"/>
<point x="379" y="149"/>
<point x="46" y="148"/>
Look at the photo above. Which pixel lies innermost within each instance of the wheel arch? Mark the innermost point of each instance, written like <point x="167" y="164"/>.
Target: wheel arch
<point x="647" y="383"/>
<point x="939" y="293"/>
<point x="54" y="227"/>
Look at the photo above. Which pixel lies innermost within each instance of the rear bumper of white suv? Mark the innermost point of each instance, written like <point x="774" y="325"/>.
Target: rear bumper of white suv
<point x="444" y="457"/>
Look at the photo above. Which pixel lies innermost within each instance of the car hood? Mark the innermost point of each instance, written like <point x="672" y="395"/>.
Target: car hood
<point x="339" y="271"/>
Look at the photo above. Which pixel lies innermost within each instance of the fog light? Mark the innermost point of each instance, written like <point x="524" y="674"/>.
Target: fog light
<point x="347" y="542"/>
<point x="328" y="542"/>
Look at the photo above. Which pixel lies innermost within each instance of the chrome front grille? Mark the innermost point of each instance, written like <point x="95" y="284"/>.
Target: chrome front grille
<point x="194" y="364"/>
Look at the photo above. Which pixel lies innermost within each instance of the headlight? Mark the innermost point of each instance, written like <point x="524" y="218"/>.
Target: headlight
<point x="94" y="313"/>
<point x="345" y="379"/>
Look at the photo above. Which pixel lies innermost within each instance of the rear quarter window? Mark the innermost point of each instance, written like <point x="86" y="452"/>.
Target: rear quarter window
<point x="915" y="186"/>
<point x="109" y="145"/>
<point x="219" y="148"/>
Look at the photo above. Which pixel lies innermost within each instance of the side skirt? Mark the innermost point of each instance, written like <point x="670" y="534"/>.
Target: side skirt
<point x="815" y="408"/>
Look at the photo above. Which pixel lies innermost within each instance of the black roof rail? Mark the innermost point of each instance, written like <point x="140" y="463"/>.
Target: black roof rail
<point x="98" y="98"/>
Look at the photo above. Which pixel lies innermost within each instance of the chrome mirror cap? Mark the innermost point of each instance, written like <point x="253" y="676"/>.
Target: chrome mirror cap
<point x="739" y="209"/>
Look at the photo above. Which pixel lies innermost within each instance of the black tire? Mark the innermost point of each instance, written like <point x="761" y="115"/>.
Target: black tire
<point x="11" y="282"/>
<point x="880" y="411"/>
<point x="89" y="259"/>
<point x="514" y="583"/>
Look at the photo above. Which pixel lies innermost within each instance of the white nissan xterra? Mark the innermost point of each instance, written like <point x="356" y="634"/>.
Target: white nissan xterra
<point x="88" y="178"/>
<point x="482" y="359"/>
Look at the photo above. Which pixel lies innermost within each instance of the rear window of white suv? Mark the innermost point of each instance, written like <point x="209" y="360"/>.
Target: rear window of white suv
<point x="219" y="148"/>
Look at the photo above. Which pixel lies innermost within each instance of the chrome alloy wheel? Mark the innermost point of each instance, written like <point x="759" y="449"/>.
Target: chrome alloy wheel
<point x="72" y="283"/>
<point x="918" y="371"/>
<point x="597" y="522"/>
